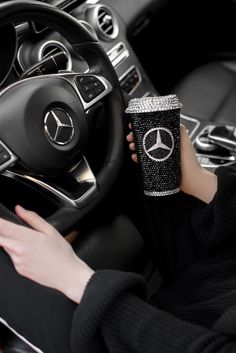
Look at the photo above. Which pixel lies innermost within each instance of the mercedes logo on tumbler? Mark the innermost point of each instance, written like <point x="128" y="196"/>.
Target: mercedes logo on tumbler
<point x="158" y="144"/>
<point x="59" y="126"/>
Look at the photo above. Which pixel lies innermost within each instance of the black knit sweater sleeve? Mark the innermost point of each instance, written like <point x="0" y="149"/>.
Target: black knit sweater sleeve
<point x="216" y="222"/>
<point x="111" y="313"/>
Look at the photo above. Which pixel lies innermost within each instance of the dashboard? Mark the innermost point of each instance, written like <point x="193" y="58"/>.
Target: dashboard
<point x="36" y="42"/>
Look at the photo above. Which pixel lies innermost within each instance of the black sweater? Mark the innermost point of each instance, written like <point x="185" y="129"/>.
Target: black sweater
<point x="195" y="314"/>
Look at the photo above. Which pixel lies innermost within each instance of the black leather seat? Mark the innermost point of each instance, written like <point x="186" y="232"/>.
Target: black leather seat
<point x="209" y="92"/>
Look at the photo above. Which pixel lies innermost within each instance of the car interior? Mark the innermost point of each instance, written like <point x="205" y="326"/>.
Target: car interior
<point x="82" y="61"/>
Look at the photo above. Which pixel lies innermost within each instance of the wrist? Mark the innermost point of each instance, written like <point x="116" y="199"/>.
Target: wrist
<point x="204" y="185"/>
<point x="76" y="278"/>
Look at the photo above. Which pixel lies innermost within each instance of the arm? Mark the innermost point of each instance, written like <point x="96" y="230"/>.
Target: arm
<point x="129" y="324"/>
<point x="195" y="180"/>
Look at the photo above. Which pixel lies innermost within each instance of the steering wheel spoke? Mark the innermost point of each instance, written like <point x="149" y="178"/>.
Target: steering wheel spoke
<point x="7" y="157"/>
<point x="90" y="88"/>
<point x="74" y="189"/>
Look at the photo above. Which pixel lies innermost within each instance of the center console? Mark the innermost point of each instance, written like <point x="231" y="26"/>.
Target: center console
<point x="215" y="144"/>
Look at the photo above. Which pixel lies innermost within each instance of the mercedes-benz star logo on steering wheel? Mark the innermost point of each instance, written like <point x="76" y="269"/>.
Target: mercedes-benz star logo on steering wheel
<point x="158" y="144"/>
<point x="58" y="126"/>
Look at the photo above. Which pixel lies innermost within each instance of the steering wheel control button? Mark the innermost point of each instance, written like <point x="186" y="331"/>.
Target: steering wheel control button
<point x="98" y="90"/>
<point x="58" y="126"/>
<point x="88" y="97"/>
<point x="90" y="87"/>
<point x="6" y="157"/>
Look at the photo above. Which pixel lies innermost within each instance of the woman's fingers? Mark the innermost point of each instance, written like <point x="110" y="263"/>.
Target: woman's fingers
<point x="130" y="137"/>
<point x="12" y="236"/>
<point x="34" y="220"/>
<point x="134" y="157"/>
<point x="11" y="230"/>
<point x="132" y="146"/>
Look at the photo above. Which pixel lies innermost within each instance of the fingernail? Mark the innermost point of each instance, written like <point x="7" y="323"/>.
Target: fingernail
<point x="22" y="209"/>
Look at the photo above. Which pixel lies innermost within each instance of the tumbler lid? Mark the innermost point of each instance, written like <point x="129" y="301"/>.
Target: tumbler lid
<point x="153" y="104"/>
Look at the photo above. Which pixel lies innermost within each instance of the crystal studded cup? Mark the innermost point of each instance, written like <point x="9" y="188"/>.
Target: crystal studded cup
<point x="156" y="128"/>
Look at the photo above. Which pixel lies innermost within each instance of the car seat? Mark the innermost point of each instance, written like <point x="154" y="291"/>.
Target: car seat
<point x="209" y="92"/>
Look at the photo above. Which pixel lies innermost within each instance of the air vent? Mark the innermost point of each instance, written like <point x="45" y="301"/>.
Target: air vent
<point x="53" y="47"/>
<point x="103" y="21"/>
<point x="69" y="5"/>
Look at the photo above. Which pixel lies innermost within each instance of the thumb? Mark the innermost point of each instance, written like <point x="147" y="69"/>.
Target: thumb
<point x="34" y="220"/>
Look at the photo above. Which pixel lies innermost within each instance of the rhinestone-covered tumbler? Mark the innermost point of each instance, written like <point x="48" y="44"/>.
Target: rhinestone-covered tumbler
<point x="156" y="128"/>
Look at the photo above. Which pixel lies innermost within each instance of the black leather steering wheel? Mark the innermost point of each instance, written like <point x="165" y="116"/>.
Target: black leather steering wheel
<point x="43" y="119"/>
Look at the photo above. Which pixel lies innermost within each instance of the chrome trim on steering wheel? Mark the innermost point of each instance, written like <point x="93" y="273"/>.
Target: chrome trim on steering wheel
<point x="81" y="173"/>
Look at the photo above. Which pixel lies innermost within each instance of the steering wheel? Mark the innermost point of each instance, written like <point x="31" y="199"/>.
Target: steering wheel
<point x="43" y="122"/>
